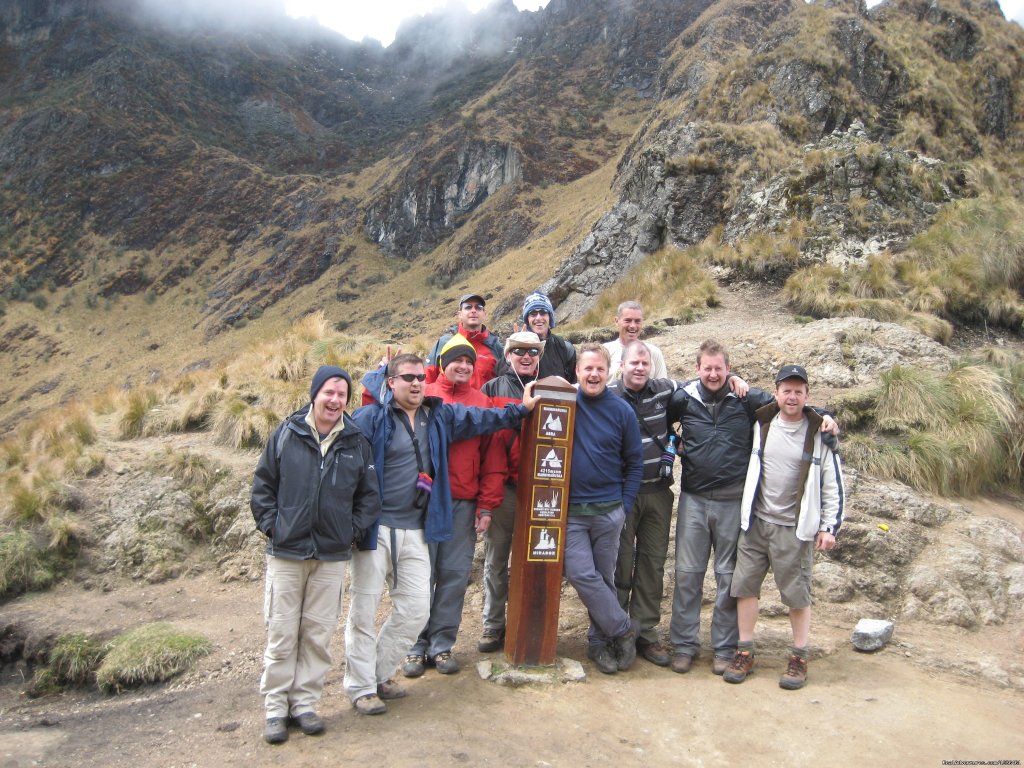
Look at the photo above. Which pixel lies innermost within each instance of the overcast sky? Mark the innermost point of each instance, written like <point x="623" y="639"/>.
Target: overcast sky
<point x="379" y="19"/>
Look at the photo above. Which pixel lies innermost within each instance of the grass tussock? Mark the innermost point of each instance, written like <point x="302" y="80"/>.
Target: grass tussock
<point x="239" y="424"/>
<point x="72" y="662"/>
<point x="763" y="256"/>
<point x="138" y="403"/>
<point x="968" y="267"/>
<point x="192" y="469"/>
<point x="949" y="433"/>
<point x="148" y="654"/>
<point x="673" y="286"/>
<point x="25" y="565"/>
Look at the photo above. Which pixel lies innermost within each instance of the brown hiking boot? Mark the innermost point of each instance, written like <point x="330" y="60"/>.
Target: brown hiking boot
<point x="796" y="674"/>
<point x="681" y="663"/>
<point x="492" y="640"/>
<point x="370" y="704"/>
<point x="720" y="664"/>
<point x="655" y="652"/>
<point x="390" y="689"/>
<point x="741" y="666"/>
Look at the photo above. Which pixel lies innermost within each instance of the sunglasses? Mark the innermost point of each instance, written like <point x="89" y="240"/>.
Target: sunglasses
<point x="477" y="307"/>
<point x="537" y="313"/>
<point x="410" y="377"/>
<point x="532" y="352"/>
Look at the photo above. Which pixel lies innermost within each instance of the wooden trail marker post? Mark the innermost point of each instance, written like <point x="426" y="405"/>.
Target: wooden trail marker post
<point x="538" y="541"/>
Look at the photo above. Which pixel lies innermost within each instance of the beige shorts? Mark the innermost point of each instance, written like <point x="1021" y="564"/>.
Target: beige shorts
<point x="765" y="545"/>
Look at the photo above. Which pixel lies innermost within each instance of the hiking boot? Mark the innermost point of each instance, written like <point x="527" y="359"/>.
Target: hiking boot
<point x="796" y="674"/>
<point x="681" y="663"/>
<point x="446" y="663"/>
<point x="491" y="640"/>
<point x="625" y="647"/>
<point x="602" y="656"/>
<point x="655" y="652"/>
<point x="720" y="664"/>
<point x="310" y="723"/>
<point x="276" y="730"/>
<point x="414" y="665"/>
<point x="742" y="664"/>
<point x="390" y="689"/>
<point x="370" y="704"/>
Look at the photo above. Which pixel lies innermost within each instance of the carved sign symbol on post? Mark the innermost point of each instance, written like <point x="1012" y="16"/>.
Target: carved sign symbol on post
<point x="550" y="463"/>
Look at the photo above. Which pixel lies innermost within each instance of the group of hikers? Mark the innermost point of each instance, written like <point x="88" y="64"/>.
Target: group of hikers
<point x="402" y="487"/>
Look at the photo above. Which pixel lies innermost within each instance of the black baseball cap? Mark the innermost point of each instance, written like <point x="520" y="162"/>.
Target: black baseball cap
<point x="469" y="296"/>
<point x="791" y="372"/>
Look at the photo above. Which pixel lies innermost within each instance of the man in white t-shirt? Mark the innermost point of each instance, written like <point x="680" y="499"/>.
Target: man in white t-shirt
<point x="629" y="319"/>
<point x="792" y="505"/>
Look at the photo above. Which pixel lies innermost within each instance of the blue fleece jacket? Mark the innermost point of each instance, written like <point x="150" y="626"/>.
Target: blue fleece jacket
<point x="448" y="422"/>
<point x="607" y="452"/>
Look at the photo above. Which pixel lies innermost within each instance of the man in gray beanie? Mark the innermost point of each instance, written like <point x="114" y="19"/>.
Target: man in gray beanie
<point x="310" y="529"/>
<point x="559" y="354"/>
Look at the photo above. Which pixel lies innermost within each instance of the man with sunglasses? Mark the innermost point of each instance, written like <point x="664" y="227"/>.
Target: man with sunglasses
<point x="471" y="315"/>
<point x="524" y="353"/>
<point x="410" y="434"/>
<point x="476" y="472"/>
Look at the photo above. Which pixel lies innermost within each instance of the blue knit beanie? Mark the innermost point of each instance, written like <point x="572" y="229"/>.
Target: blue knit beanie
<point x="538" y="300"/>
<point x="321" y="377"/>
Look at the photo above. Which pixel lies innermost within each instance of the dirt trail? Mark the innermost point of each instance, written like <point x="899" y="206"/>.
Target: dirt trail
<point x="906" y="705"/>
<point x="885" y="708"/>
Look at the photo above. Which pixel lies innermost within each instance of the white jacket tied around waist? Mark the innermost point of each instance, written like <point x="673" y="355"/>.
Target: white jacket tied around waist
<point x="822" y="495"/>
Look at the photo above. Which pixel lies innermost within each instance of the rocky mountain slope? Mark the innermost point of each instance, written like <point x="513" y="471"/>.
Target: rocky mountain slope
<point x="172" y="191"/>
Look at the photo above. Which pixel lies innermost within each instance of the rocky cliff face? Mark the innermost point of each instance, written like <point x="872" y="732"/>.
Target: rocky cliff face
<point x="827" y="91"/>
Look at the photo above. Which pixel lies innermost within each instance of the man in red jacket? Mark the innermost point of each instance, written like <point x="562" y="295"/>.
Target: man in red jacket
<point x="476" y="472"/>
<point x="523" y="352"/>
<point x="471" y="315"/>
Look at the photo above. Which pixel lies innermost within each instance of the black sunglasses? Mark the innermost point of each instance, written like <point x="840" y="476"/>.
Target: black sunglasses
<point x="532" y="352"/>
<point x="410" y="377"/>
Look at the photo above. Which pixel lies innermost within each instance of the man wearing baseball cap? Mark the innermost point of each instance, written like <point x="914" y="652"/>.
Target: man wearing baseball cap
<point x="314" y="495"/>
<point x="792" y="505"/>
<point x="471" y="314"/>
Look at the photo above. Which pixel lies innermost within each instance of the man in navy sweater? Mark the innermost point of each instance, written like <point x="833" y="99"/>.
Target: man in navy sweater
<point x="607" y="466"/>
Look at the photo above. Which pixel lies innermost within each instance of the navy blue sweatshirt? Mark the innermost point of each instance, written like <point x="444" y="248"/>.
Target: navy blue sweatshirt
<point x="607" y="453"/>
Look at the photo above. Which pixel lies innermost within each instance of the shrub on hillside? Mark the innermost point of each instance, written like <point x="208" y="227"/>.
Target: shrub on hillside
<point x="968" y="266"/>
<point x="672" y="286"/>
<point x="950" y="433"/>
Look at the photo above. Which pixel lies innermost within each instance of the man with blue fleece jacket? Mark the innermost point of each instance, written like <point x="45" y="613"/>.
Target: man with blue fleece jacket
<point x="410" y="435"/>
<point x="607" y="467"/>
